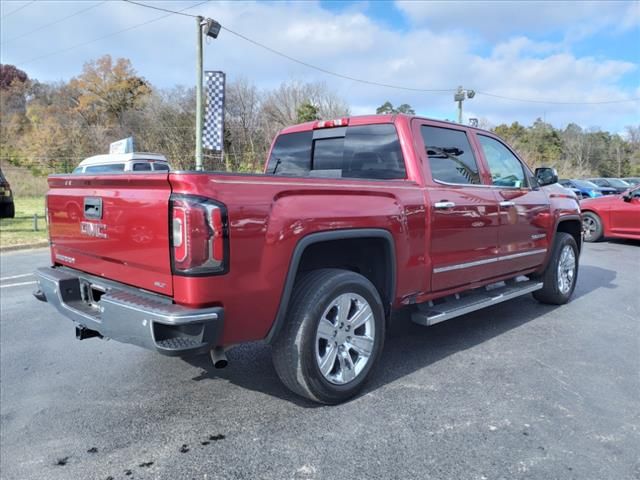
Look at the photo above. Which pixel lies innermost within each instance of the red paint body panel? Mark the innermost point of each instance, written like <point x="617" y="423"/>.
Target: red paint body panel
<point x="135" y="219"/>
<point x="268" y="215"/>
<point x="619" y="218"/>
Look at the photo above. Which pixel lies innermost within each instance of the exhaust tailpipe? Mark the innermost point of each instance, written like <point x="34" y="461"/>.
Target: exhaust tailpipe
<point x="218" y="357"/>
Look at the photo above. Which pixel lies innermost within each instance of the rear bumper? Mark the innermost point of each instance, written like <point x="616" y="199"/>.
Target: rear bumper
<point x="129" y="315"/>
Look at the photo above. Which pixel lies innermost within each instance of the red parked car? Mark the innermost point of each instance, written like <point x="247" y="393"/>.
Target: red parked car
<point x="616" y="216"/>
<point x="351" y="220"/>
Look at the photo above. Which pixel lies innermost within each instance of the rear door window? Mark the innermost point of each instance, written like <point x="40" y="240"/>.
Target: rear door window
<point x="108" y="168"/>
<point x="161" y="166"/>
<point x="451" y="157"/>
<point x="364" y="151"/>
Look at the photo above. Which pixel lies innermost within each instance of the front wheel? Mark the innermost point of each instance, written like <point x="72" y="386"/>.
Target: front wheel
<point x="560" y="276"/>
<point x="592" y="227"/>
<point x="333" y="336"/>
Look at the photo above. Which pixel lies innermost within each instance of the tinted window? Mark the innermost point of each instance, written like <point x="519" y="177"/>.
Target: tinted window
<point x="367" y="151"/>
<point x="112" y="167"/>
<point x="450" y="155"/>
<point x="506" y="170"/>
<point x="141" y="167"/>
<point x="373" y="151"/>
<point x="291" y="154"/>
<point x="328" y="154"/>
<point x="161" y="166"/>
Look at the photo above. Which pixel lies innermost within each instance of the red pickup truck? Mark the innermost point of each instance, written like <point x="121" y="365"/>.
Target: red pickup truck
<point x="352" y="220"/>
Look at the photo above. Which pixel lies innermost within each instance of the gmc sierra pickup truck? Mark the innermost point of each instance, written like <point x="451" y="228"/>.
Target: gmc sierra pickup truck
<point x="352" y="220"/>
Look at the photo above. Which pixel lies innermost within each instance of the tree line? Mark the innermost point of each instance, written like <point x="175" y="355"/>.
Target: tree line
<point x="51" y="127"/>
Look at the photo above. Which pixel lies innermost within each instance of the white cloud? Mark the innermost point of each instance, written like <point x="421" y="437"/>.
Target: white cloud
<point x="501" y="19"/>
<point x="428" y="55"/>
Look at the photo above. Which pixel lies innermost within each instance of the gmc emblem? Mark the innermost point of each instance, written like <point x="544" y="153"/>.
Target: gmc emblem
<point x="96" y="230"/>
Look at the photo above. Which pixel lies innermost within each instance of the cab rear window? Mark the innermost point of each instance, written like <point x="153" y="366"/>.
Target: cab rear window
<point x="364" y="151"/>
<point x="112" y="167"/>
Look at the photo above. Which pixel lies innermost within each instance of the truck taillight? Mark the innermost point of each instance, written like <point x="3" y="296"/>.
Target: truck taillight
<point x="199" y="236"/>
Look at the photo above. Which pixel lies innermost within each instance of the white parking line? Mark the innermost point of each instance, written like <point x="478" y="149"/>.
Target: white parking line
<point x="2" y="279"/>
<point x="17" y="284"/>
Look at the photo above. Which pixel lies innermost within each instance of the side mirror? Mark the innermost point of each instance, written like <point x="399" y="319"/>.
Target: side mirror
<point x="546" y="176"/>
<point x="627" y="197"/>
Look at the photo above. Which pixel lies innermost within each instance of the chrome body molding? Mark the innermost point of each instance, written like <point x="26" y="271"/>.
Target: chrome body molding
<point x="460" y="266"/>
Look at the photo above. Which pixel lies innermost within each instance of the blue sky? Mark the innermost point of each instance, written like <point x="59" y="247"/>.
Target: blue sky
<point x="551" y="51"/>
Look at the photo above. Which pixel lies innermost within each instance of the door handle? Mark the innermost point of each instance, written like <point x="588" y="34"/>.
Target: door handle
<point x="443" y="205"/>
<point x="507" y="203"/>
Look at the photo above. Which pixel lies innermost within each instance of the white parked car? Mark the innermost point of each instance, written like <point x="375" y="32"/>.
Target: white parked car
<point x="123" y="162"/>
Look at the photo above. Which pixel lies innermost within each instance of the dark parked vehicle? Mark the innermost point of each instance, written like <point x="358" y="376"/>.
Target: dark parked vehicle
<point x="586" y="189"/>
<point x="617" y="183"/>
<point x="7" y="208"/>
<point x="632" y="180"/>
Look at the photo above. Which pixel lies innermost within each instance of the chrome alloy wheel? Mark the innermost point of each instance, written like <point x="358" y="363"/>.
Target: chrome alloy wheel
<point x="345" y="338"/>
<point x="566" y="269"/>
<point x="589" y="227"/>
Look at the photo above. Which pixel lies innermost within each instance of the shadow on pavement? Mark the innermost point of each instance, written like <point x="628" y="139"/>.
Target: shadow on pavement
<point x="408" y="347"/>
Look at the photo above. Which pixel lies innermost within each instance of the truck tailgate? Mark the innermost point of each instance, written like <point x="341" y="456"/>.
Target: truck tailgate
<point x="114" y="226"/>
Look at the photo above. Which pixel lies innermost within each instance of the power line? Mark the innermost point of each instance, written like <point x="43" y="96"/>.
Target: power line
<point x="553" y="102"/>
<point x="387" y="85"/>
<point x="19" y="8"/>
<point x="66" y="49"/>
<point x="160" y="8"/>
<point x="301" y="62"/>
<point x="335" y="74"/>
<point x="55" y="22"/>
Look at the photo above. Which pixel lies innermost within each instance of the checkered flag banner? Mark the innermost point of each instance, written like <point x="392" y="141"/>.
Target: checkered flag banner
<point x="213" y="134"/>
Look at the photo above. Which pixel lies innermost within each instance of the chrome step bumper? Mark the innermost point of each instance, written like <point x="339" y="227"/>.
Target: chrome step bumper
<point x="128" y="315"/>
<point x="454" y="306"/>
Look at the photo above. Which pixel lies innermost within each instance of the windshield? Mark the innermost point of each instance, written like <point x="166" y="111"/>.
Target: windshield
<point x="585" y="184"/>
<point x="616" y="182"/>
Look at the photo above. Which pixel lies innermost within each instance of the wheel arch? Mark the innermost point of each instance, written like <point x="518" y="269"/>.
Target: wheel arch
<point x="571" y="224"/>
<point x="382" y="273"/>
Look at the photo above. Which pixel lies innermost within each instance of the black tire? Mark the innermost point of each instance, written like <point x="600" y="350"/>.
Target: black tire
<point x="551" y="292"/>
<point x="8" y="210"/>
<point x="592" y="227"/>
<point x="294" y="351"/>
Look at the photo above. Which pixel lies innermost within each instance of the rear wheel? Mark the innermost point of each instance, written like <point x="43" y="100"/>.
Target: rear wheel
<point x="560" y="276"/>
<point x="592" y="227"/>
<point x="333" y="336"/>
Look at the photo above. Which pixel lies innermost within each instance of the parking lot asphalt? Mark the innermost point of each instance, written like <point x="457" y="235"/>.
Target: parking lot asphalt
<point x="519" y="390"/>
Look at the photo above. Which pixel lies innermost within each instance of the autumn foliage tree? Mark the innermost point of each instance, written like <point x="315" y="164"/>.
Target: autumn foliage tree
<point x="50" y="127"/>
<point x="107" y="89"/>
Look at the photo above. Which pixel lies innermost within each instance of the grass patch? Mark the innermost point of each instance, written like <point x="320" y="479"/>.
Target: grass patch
<point x="19" y="230"/>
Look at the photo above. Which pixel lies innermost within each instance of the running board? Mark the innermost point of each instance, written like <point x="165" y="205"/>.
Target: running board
<point x="430" y="313"/>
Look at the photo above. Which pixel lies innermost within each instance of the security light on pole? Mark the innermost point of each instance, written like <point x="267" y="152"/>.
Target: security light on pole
<point x="459" y="96"/>
<point x="210" y="28"/>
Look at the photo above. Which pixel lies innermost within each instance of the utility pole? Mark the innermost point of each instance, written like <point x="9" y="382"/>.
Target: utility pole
<point x="459" y="97"/>
<point x="199" y="110"/>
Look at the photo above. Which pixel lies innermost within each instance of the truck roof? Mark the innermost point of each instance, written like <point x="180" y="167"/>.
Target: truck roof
<point x="122" y="157"/>
<point x="373" y="119"/>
